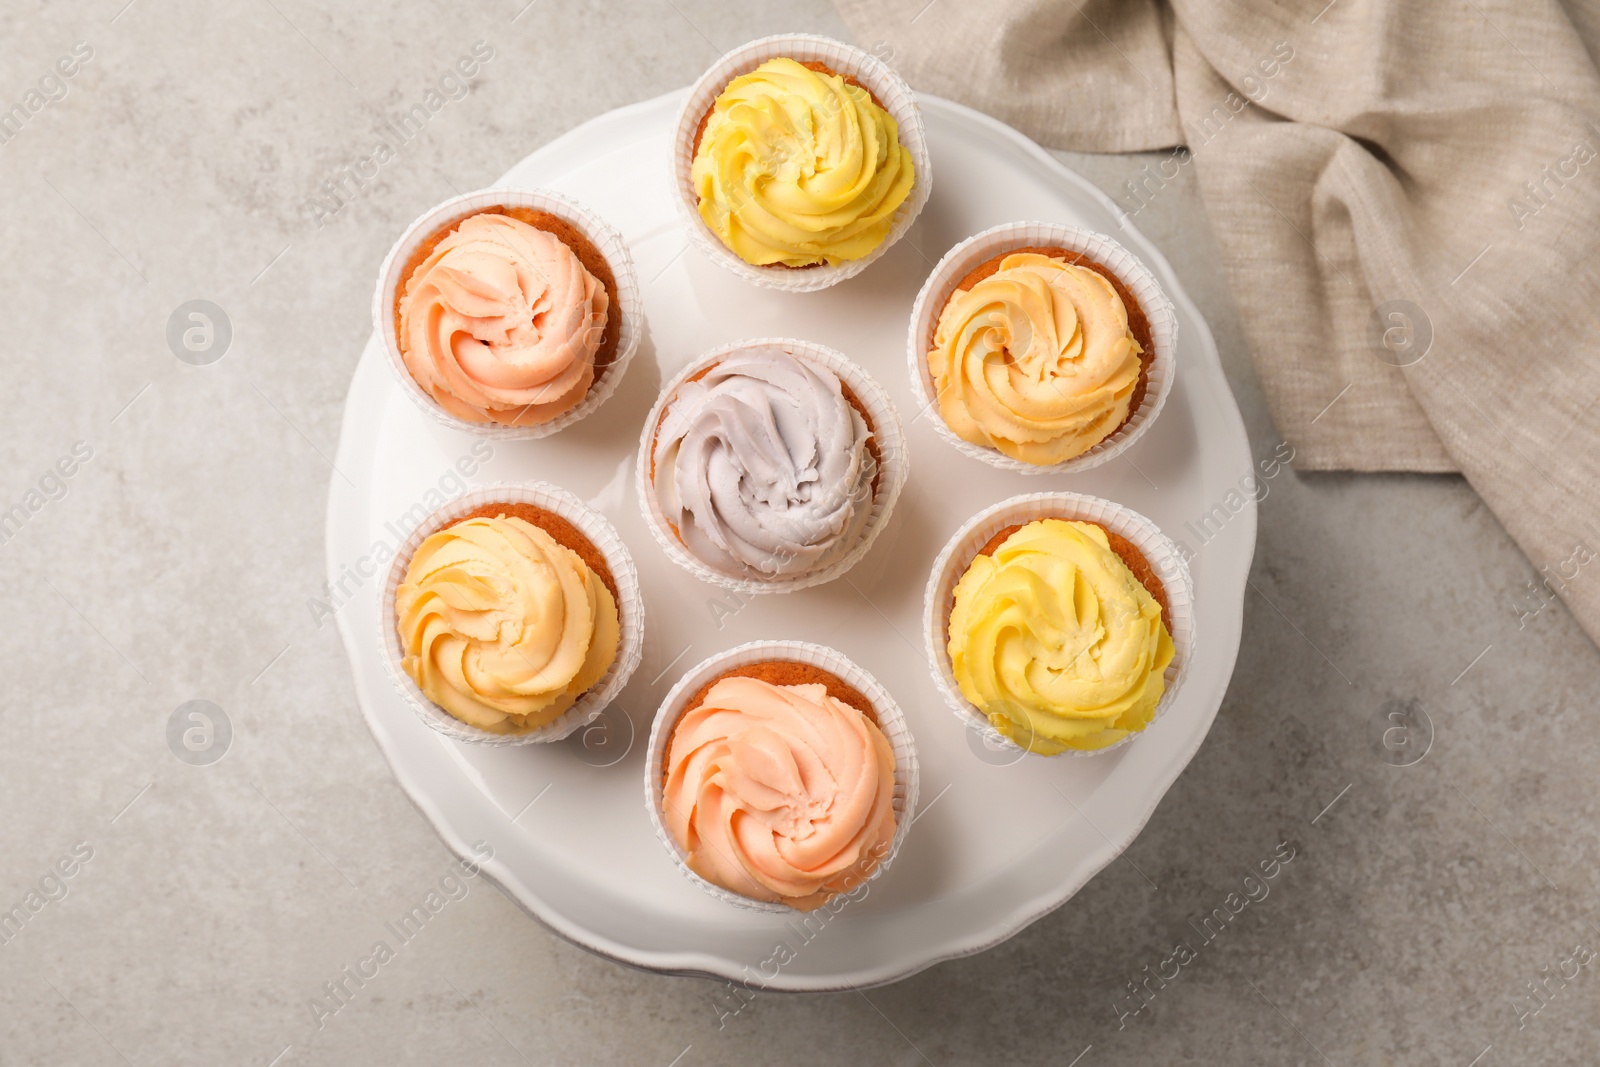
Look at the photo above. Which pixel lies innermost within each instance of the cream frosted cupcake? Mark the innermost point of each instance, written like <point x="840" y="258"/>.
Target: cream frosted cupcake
<point x="781" y="775"/>
<point x="770" y="465"/>
<point x="507" y="619"/>
<point x="799" y="160"/>
<point x="1061" y="622"/>
<point x="509" y="312"/>
<point x="1042" y="347"/>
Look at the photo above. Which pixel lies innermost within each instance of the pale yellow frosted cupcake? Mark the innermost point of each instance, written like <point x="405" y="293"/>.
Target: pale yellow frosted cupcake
<point x="506" y="617"/>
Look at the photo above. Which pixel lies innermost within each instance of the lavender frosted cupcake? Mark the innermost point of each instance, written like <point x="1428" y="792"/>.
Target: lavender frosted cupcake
<point x="770" y="463"/>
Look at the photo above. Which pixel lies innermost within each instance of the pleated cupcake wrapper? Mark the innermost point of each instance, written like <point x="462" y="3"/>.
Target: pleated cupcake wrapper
<point x="630" y="611"/>
<point x="958" y="554"/>
<point x="890" y="89"/>
<point x="891" y="720"/>
<point x="896" y="462"/>
<point x="980" y="248"/>
<point x="604" y="237"/>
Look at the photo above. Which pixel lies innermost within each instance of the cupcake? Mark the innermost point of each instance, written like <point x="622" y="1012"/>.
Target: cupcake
<point x="775" y="780"/>
<point x="1038" y="344"/>
<point x="770" y="465"/>
<point x="797" y="165"/>
<point x="800" y="154"/>
<point x="507" y="617"/>
<point x="1053" y="618"/>
<point x="509" y="311"/>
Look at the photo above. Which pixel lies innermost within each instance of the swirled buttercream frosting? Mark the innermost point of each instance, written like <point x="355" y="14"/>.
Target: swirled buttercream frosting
<point x="501" y="626"/>
<point x="1056" y="641"/>
<point x="798" y="167"/>
<point x="1036" y="360"/>
<point x="501" y="322"/>
<point x="779" y="792"/>
<point x="762" y="467"/>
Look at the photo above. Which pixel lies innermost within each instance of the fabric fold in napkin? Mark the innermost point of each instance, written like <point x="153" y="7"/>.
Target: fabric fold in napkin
<point x="1407" y="199"/>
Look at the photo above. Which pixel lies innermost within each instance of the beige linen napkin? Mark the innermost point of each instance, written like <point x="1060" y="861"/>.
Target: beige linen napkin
<point x="1407" y="197"/>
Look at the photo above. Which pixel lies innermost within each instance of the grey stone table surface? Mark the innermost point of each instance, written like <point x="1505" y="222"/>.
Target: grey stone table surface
<point x="170" y="534"/>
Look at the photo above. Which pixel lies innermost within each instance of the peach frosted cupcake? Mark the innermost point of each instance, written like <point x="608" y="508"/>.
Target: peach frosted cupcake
<point x="781" y="776"/>
<point x="512" y="614"/>
<point x="509" y="312"/>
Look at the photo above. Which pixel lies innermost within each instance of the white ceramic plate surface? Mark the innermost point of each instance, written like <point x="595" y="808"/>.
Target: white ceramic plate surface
<point x="570" y="838"/>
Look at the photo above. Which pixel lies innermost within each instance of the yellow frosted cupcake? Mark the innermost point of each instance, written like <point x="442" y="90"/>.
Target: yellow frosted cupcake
<point x="506" y="617"/>
<point x="1059" y="635"/>
<point x="796" y="165"/>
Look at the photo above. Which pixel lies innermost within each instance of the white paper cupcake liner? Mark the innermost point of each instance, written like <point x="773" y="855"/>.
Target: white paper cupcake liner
<point x="890" y="89"/>
<point x="958" y="554"/>
<point x="980" y="248"/>
<point x="630" y="612"/>
<point x="600" y="233"/>
<point x="891" y="720"/>
<point x="886" y="428"/>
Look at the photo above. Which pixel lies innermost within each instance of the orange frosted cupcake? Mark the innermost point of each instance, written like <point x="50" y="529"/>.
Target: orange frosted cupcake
<point x="1044" y="348"/>
<point x="1040" y="353"/>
